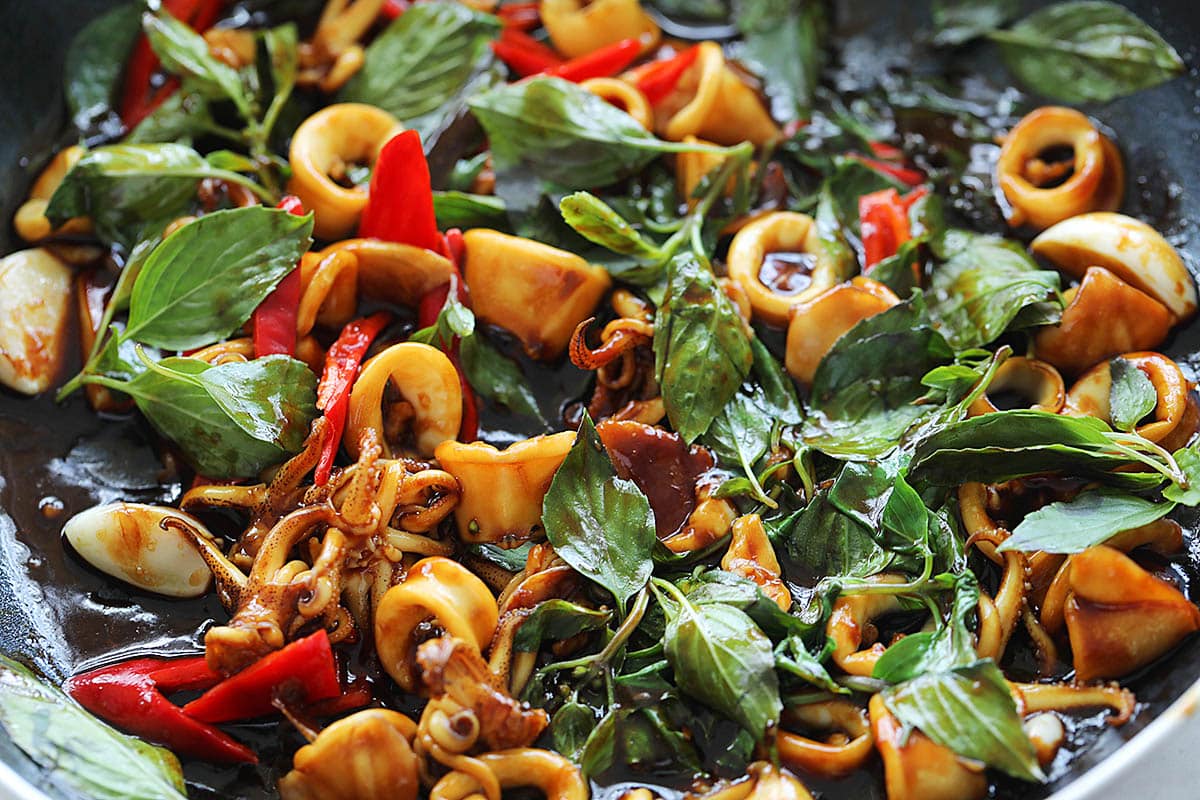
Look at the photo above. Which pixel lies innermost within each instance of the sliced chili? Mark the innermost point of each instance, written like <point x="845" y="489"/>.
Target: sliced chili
<point x="883" y="217"/>
<point x="394" y="8"/>
<point x="660" y="78"/>
<point x="520" y="16"/>
<point x="303" y="671"/>
<point x="130" y="696"/>
<point x="524" y="54"/>
<point x="606" y="61"/>
<point x="400" y="200"/>
<point x="333" y="392"/>
<point x="907" y="175"/>
<point x="274" y="321"/>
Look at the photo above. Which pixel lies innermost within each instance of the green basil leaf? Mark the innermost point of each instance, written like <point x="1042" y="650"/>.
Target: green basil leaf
<point x="1012" y="444"/>
<point x="719" y="586"/>
<point x="598" y="523"/>
<point x="205" y="280"/>
<point x="496" y="377"/>
<point x="596" y="221"/>
<point x="722" y="659"/>
<point x="232" y="420"/>
<point x="783" y="43"/>
<point x="956" y="22"/>
<point x="182" y="117"/>
<point x="793" y="658"/>
<point x="185" y="53"/>
<point x="1131" y="396"/>
<point x="454" y="320"/>
<point x="979" y="292"/>
<point x="78" y="751"/>
<point x="970" y="711"/>
<point x="95" y="62"/>
<point x="826" y="541"/>
<point x="1090" y="519"/>
<point x="851" y="179"/>
<point x="1188" y="459"/>
<point x="129" y="190"/>
<point x="283" y="49"/>
<point x="464" y="210"/>
<point x="555" y="620"/>
<point x="571" y="727"/>
<point x="598" y="753"/>
<point x="949" y="646"/>
<point x="1087" y="51"/>
<point x="423" y="61"/>
<point x="561" y="133"/>
<point x="701" y="351"/>
<point x="864" y="389"/>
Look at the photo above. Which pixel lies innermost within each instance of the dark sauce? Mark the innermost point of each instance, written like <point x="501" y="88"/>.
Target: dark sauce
<point x="787" y="273"/>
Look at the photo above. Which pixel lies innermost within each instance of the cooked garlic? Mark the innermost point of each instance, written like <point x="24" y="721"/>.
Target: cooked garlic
<point x="127" y="541"/>
<point x="35" y="307"/>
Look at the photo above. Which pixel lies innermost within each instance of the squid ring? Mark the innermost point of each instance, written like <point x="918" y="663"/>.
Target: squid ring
<point x="817" y="322"/>
<point x="721" y="108"/>
<point x="833" y="758"/>
<point x="436" y="588"/>
<point x="624" y="96"/>
<point x="1034" y="380"/>
<point x="322" y="147"/>
<point x="425" y="378"/>
<point x="780" y="231"/>
<point x="578" y="27"/>
<point x="1089" y="396"/>
<point x="556" y="777"/>
<point x="1096" y="181"/>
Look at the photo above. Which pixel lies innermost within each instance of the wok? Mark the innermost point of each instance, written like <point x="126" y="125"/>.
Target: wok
<point x="59" y="616"/>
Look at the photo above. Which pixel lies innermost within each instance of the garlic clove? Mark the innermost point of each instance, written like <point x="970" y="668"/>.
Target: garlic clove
<point x="35" y="309"/>
<point x="127" y="541"/>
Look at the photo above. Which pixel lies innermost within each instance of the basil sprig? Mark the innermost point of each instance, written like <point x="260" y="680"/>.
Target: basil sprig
<point x="231" y="420"/>
<point x="80" y="753"/>
<point x="94" y="64"/>
<point x="598" y="523"/>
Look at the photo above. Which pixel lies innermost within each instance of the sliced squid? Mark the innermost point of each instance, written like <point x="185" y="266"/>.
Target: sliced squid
<point x="711" y="102"/>
<point x="818" y="322"/>
<point x="1127" y="247"/>
<point x="579" y="27"/>
<point x="916" y="768"/>
<point x="502" y="490"/>
<point x="1174" y="412"/>
<point x="1105" y="316"/>
<point x="536" y="291"/>
<point x="128" y="542"/>
<point x="367" y="755"/>
<point x="1037" y="382"/>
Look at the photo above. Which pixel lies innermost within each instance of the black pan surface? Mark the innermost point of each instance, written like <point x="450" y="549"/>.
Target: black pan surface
<point x="60" y="616"/>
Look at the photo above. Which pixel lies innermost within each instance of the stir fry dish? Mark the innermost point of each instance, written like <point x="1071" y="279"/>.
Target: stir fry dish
<point x="564" y="402"/>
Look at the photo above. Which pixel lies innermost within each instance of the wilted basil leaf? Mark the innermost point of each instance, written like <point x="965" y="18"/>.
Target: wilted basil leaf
<point x="1090" y="519"/>
<point x="959" y="21"/>
<point x="594" y="220"/>
<point x="864" y="387"/>
<point x="1087" y="51"/>
<point x="181" y="117"/>
<point x="726" y="588"/>
<point x="556" y="620"/>
<point x="981" y="289"/>
<point x="78" y="751"/>
<point x="423" y="61"/>
<point x="782" y="43"/>
<point x="205" y="280"/>
<point x="949" y="646"/>
<point x="826" y="541"/>
<point x="793" y="658"/>
<point x="970" y="711"/>
<point x="95" y="62"/>
<point x="570" y="728"/>
<point x="721" y="658"/>
<point x="1188" y="459"/>
<point x="598" y="523"/>
<point x="127" y="190"/>
<point x="185" y="52"/>
<point x="231" y="420"/>
<point x="701" y="351"/>
<point x="1131" y="396"/>
<point x="1013" y="444"/>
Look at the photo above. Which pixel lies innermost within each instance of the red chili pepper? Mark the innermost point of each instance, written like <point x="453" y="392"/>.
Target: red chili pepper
<point x="906" y="175"/>
<point x="274" y="321"/>
<point x="883" y="217"/>
<point x="333" y="392"/>
<point x="886" y="151"/>
<point x="304" y="670"/>
<point x="400" y="200"/>
<point x="521" y="16"/>
<point x="394" y="8"/>
<point x="524" y="54"/>
<point x="660" y="78"/>
<point x="608" y="60"/>
<point x="354" y="697"/>
<point x="139" y="97"/>
<point x="130" y="696"/>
